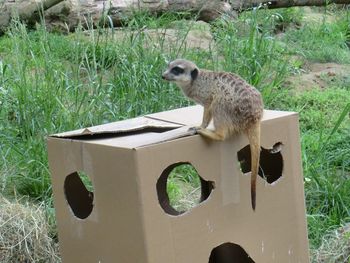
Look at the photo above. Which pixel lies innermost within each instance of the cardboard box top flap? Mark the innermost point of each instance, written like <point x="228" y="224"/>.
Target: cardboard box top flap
<point x="150" y="129"/>
<point x="139" y="140"/>
<point x="192" y="116"/>
<point x="124" y="127"/>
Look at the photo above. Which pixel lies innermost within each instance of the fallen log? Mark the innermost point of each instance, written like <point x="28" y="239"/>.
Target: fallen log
<point x="116" y="12"/>
<point x="68" y="14"/>
<point x="245" y="5"/>
<point x="28" y="11"/>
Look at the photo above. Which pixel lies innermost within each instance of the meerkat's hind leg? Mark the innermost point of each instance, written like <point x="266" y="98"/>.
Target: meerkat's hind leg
<point x="217" y="134"/>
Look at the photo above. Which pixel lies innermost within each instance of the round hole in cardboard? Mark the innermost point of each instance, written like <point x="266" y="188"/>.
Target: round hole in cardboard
<point x="79" y="193"/>
<point x="271" y="162"/>
<point x="228" y="253"/>
<point x="180" y="188"/>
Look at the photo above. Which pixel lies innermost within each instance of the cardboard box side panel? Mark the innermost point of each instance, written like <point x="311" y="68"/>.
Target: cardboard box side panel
<point x="119" y="202"/>
<point x="64" y="159"/>
<point x="296" y="167"/>
<point x="113" y="232"/>
<point x="166" y="243"/>
<point x="275" y="232"/>
<point x="286" y="195"/>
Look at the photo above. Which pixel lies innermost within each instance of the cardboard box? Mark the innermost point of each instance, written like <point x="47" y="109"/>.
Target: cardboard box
<point x="128" y="219"/>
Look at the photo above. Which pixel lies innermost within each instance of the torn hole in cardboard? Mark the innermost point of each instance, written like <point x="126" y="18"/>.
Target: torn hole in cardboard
<point x="180" y="178"/>
<point x="228" y="253"/>
<point x="271" y="162"/>
<point x="79" y="193"/>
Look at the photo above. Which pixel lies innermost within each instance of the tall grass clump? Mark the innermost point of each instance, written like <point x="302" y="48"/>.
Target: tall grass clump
<point x="325" y="137"/>
<point x="324" y="123"/>
<point x="250" y="49"/>
<point x="322" y="42"/>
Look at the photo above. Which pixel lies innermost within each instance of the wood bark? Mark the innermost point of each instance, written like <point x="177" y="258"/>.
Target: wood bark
<point x="117" y="11"/>
<point x="248" y="4"/>
<point x="28" y="11"/>
<point x="68" y="14"/>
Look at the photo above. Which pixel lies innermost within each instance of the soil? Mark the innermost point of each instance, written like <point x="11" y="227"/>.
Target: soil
<point x="318" y="75"/>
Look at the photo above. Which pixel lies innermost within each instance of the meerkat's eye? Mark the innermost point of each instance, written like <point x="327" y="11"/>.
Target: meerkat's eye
<point x="177" y="70"/>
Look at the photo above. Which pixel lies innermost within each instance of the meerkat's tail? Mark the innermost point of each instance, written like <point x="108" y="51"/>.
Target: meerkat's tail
<point x="254" y="141"/>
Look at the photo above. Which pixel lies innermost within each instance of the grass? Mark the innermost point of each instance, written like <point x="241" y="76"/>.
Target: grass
<point x="183" y="187"/>
<point x="51" y="83"/>
<point x="335" y="247"/>
<point x="326" y="155"/>
<point x="325" y="42"/>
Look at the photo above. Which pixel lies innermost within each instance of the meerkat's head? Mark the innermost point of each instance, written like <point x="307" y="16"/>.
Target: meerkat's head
<point x="182" y="72"/>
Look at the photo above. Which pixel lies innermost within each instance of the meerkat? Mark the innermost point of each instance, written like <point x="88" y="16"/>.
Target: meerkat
<point x="234" y="105"/>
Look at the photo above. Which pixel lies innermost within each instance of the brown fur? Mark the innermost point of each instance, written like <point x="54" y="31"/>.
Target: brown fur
<point x="233" y="104"/>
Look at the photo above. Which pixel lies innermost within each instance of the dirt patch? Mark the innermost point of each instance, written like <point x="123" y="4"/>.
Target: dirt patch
<point x="194" y="36"/>
<point x="319" y="75"/>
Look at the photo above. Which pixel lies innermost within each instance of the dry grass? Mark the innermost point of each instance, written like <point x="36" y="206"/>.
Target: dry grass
<point x="335" y="247"/>
<point x="24" y="234"/>
<point x="186" y="196"/>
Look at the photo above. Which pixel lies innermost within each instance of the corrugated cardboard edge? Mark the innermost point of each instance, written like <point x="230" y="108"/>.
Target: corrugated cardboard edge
<point x="178" y="133"/>
<point x="120" y="127"/>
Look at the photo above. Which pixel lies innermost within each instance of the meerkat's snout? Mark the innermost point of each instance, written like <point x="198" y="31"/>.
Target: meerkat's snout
<point x="171" y="75"/>
<point x="164" y="75"/>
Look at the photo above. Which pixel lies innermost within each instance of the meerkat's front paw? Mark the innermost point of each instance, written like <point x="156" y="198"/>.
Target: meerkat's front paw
<point x="195" y="129"/>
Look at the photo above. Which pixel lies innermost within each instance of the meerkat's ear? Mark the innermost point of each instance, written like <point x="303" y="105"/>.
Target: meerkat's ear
<point x="194" y="74"/>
